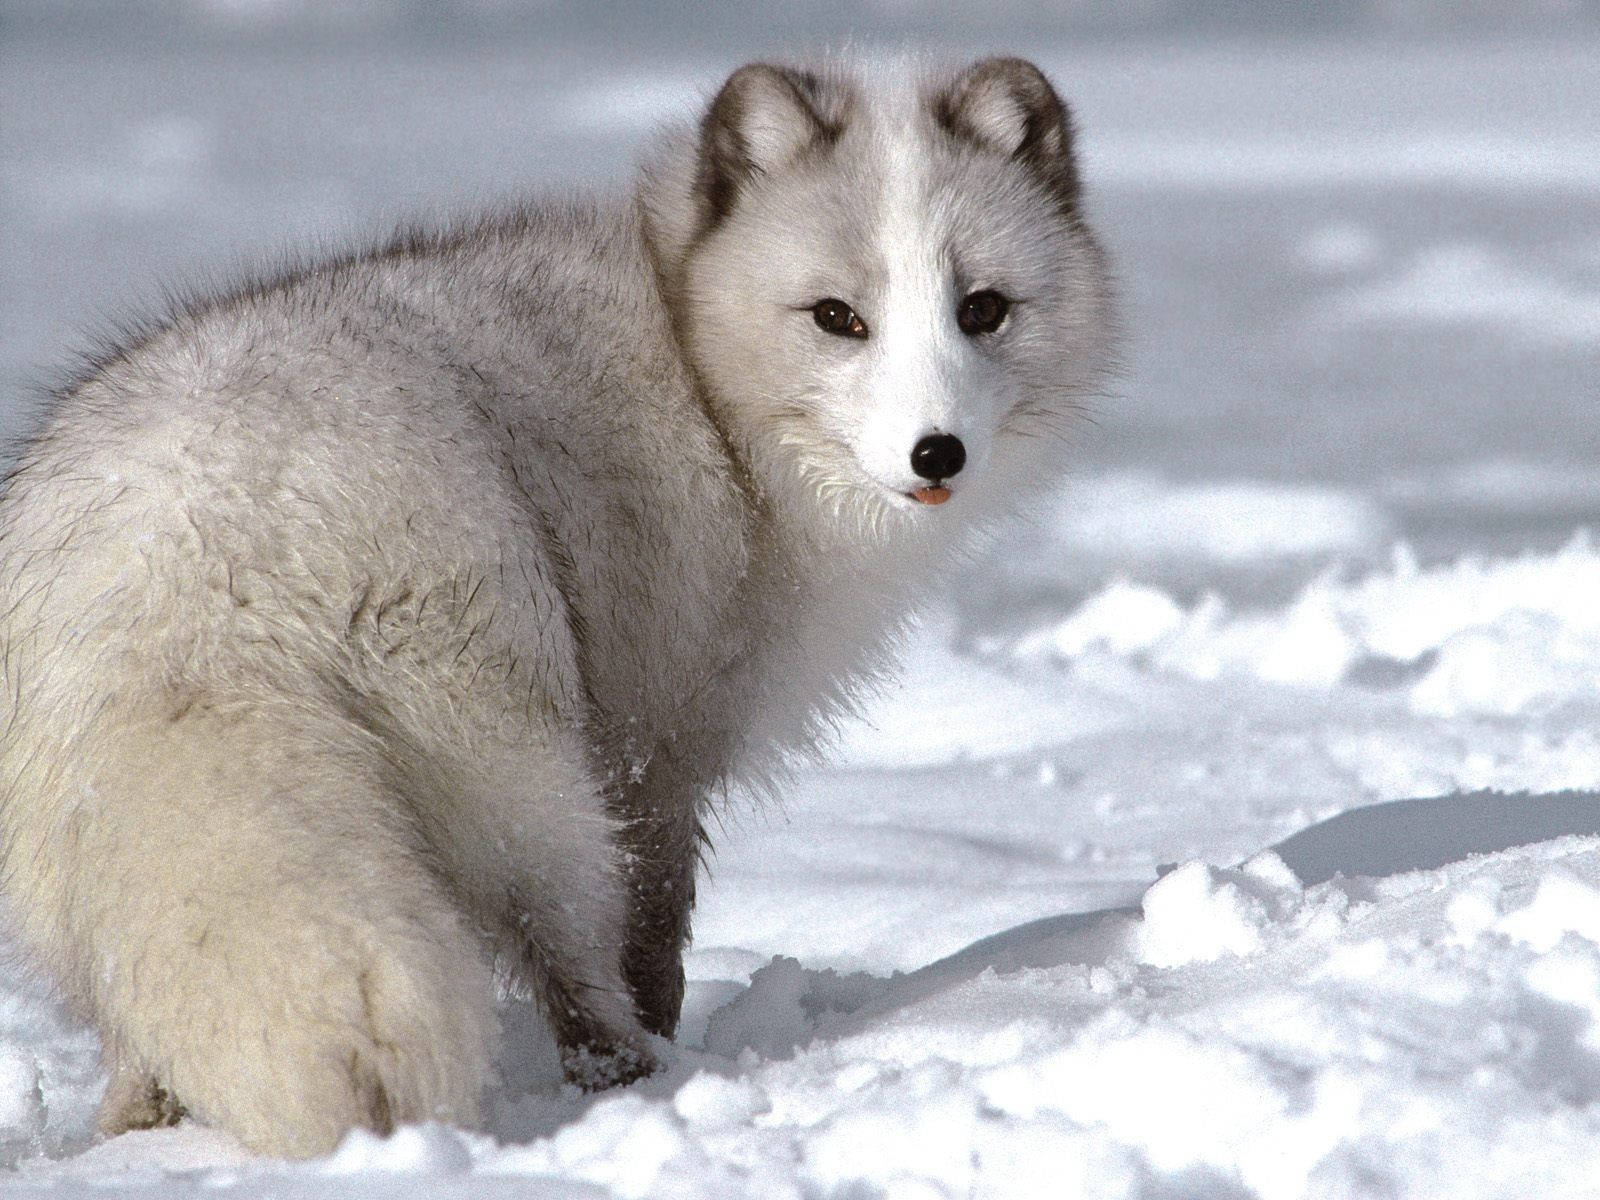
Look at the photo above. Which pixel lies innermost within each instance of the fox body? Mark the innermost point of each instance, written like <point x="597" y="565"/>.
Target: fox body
<point x="391" y="623"/>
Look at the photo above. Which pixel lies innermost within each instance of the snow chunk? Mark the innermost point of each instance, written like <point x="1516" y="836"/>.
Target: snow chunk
<point x="1474" y="909"/>
<point x="624" y="1143"/>
<point x="713" y="1102"/>
<point x="1198" y="913"/>
<point x="1125" y="618"/>
<point x="1516" y="663"/>
<point x="429" y="1149"/>
<point x="782" y="1008"/>
<point x="1563" y="904"/>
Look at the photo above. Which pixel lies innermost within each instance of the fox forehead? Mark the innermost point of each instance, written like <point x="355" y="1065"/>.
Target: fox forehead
<point x="899" y="208"/>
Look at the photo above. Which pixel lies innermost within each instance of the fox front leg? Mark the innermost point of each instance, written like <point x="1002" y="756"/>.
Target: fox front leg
<point x="662" y="839"/>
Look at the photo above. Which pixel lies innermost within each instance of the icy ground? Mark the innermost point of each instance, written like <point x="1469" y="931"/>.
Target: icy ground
<point x="1235" y="830"/>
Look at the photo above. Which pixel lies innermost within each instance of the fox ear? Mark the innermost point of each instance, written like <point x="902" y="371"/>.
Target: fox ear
<point x="761" y="120"/>
<point x="1008" y="106"/>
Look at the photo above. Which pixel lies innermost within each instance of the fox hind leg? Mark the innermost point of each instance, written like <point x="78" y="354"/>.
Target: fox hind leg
<point x="260" y="934"/>
<point x="561" y="907"/>
<point x="135" y="1099"/>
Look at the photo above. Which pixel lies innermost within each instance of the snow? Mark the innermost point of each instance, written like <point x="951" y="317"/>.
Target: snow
<point x="1234" y="828"/>
<point x="1435" y="1032"/>
<point x="1480" y="637"/>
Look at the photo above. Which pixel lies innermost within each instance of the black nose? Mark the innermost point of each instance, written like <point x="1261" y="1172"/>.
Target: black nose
<point x="938" y="456"/>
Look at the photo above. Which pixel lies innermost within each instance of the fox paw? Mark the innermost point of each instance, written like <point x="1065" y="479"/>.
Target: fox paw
<point x="596" y="1068"/>
<point x="138" y="1103"/>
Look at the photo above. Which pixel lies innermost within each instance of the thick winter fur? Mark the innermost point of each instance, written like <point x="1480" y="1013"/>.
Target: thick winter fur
<point x="397" y="618"/>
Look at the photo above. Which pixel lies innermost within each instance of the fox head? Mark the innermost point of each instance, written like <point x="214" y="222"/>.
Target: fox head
<point x="884" y="284"/>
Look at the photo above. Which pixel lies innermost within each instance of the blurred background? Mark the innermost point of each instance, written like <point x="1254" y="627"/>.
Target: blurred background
<point x="1358" y="241"/>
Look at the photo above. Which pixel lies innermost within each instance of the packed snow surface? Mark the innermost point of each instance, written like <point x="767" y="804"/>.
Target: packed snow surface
<point x="1234" y="829"/>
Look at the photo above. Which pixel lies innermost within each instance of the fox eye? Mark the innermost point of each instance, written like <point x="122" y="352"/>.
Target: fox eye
<point x="835" y="316"/>
<point x="982" y="312"/>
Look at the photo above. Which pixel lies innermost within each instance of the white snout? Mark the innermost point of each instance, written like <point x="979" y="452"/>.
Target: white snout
<point x="893" y="430"/>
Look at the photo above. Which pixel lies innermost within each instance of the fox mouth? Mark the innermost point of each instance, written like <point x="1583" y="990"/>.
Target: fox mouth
<point x="936" y="493"/>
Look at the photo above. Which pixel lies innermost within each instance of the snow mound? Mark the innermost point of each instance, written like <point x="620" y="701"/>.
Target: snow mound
<point x="1475" y="637"/>
<point x="1198" y="913"/>
<point x="1246" y="1038"/>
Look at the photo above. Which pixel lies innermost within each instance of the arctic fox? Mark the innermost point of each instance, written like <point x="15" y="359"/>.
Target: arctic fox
<point x="389" y="624"/>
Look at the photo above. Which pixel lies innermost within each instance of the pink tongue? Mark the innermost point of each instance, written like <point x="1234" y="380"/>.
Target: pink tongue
<point x="931" y="495"/>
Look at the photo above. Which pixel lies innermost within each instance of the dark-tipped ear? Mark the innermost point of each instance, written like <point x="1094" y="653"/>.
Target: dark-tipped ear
<point x="1008" y="106"/>
<point x="761" y="120"/>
